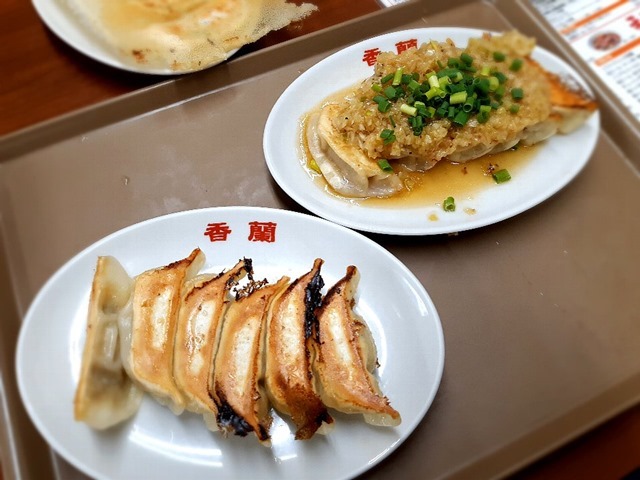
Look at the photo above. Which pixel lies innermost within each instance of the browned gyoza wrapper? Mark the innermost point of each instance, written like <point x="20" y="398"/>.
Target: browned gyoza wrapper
<point x="204" y="301"/>
<point x="237" y="386"/>
<point x="148" y="328"/>
<point x="345" y="357"/>
<point x="288" y="373"/>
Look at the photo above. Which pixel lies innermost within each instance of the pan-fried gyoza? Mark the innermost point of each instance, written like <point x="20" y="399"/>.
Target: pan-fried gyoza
<point x="105" y="395"/>
<point x="439" y="102"/>
<point x="288" y="375"/>
<point x="237" y="385"/>
<point x="345" y="357"/>
<point x="228" y="347"/>
<point x="203" y="305"/>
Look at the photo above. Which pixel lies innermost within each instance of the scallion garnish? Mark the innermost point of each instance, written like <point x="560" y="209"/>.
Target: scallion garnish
<point x="517" y="93"/>
<point x="502" y="176"/>
<point x="516" y="65"/>
<point x="397" y="77"/>
<point x="384" y="165"/>
<point x="458" y="97"/>
<point x="390" y="92"/>
<point x="499" y="56"/>
<point x="461" y="118"/>
<point x="387" y="136"/>
<point x="409" y="110"/>
<point x="386" y="78"/>
<point x="456" y="91"/>
<point x="449" y="204"/>
<point x="500" y="76"/>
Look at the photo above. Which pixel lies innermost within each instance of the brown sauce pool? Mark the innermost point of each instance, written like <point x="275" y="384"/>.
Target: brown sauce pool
<point x="445" y="179"/>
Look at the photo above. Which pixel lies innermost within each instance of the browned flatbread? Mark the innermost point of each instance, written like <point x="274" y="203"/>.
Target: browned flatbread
<point x="183" y="35"/>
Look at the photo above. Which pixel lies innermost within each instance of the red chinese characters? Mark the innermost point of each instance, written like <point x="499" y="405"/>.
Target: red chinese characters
<point x="371" y="55"/>
<point x="258" y="231"/>
<point x="262" y="232"/>
<point x="217" y="232"/>
<point x="406" y="45"/>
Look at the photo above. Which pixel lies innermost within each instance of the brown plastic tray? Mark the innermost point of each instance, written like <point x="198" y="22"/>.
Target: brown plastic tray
<point x="540" y="312"/>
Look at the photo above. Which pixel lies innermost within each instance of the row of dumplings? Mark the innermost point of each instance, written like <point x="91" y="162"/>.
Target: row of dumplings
<point x="230" y="351"/>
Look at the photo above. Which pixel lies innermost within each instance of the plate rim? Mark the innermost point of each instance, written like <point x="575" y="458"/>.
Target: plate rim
<point x="38" y="420"/>
<point x="318" y="207"/>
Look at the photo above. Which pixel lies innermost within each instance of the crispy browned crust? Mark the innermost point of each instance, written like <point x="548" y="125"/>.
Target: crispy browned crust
<point x="204" y="300"/>
<point x="347" y="383"/>
<point x="289" y="379"/>
<point x="238" y="371"/>
<point x="152" y="341"/>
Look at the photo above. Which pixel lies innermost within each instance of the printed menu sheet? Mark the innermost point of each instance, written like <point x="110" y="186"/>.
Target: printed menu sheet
<point x="606" y="34"/>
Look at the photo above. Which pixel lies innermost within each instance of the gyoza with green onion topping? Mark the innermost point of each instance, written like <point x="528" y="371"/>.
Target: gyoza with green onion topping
<point x="439" y="102"/>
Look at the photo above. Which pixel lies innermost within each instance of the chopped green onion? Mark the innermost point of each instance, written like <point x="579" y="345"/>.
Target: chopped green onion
<point x="517" y="93"/>
<point x="393" y="122"/>
<point x="515" y="108"/>
<point x="516" y="65"/>
<point x="384" y="165"/>
<point x="383" y="104"/>
<point x="413" y="85"/>
<point x="433" y="81"/>
<point x="433" y="92"/>
<point x="449" y="204"/>
<point x="499" y="93"/>
<point x="431" y="111"/>
<point x="483" y="117"/>
<point x="404" y="108"/>
<point x="405" y="79"/>
<point x="499" y="56"/>
<point x="376" y="88"/>
<point x="502" y="176"/>
<point x="500" y="76"/>
<point x="390" y="92"/>
<point x="466" y="58"/>
<point x="461" y="118"/>
<point x="494" y="83"/>
<point x="453" y="62"/>
<point x="444" y="81"/>
<point x="386" y="78"/>
<point x="468" y="105"/>
<point x="387" y="136"/>
<point x="482" y="84"/>
<point x="459" y="97"/>
<point x="397" y="77"/>
<point x="485" y="71"/>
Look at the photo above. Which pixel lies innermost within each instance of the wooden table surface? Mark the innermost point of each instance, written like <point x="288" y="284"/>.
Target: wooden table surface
<point x="43" y="78"/>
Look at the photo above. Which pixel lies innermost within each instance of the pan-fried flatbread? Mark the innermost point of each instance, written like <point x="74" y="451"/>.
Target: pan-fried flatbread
<point x="184" y="35"/>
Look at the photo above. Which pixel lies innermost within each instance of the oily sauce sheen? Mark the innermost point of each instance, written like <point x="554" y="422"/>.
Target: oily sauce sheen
<point x="445" y="179"/>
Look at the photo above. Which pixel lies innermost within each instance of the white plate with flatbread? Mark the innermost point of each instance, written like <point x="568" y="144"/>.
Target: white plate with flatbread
<point x="553" y="163"/>
<point x="157" y="444"/>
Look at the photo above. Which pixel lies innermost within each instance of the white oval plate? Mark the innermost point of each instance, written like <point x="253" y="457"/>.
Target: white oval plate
<point x="557" y="161"/>
<point x="62" y="21"/>
<point x="155" y="443"/>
